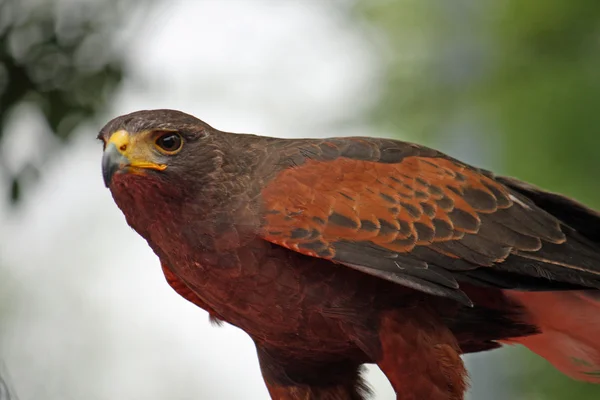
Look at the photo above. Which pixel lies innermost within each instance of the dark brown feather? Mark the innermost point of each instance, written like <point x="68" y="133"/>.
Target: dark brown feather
<point x="415" y="199"/>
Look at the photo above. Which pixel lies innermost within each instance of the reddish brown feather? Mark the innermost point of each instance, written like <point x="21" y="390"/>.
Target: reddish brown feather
<point x="395" y="206"/>
<point x="184" y="291"/>
<point x="420" y="353"/>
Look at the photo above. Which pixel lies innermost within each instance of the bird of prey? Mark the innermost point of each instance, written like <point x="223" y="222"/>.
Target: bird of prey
<point x="333" y="253"/>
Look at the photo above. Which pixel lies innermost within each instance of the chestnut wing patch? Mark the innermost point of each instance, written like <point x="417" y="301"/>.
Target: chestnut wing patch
<point x="423" y="222"/>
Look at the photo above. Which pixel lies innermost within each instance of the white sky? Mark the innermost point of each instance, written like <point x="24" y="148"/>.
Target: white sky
<point x="91" y="316"/>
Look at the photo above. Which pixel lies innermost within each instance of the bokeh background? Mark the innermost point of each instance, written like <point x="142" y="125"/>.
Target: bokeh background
<point x="510" y="85"/>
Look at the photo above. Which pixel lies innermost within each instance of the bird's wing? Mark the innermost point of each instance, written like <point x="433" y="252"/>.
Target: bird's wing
<point x="414" y="216"/>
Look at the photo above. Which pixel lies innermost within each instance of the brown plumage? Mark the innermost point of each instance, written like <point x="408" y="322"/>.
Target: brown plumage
<point x="338" y="252"/>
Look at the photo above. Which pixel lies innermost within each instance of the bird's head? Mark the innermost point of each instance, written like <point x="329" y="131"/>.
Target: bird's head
<point x="164" y="146"/>
<point x="167" y="170"/>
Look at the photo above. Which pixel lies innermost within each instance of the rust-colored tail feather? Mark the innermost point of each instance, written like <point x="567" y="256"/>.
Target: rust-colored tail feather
<point x="569" y="321"/>
<point x="570" y="330"/>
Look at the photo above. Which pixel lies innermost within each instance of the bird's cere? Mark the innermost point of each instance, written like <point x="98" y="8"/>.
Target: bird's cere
<point x="120" y="139"/>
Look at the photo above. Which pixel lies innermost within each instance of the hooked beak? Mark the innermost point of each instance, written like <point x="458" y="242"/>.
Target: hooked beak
<point x="124" y="153"/>
<point x="112" y="161"/>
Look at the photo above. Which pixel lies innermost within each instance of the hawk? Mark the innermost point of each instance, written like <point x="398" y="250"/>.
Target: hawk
<point x="333" y="253"/>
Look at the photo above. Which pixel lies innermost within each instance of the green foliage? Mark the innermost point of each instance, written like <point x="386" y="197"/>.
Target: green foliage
<point x="433" y="61"/>
<point x="545" y="93"/>
<point x="530" y="70"/>
<point x="59" y="59"/>
<point x="542" y="381"/>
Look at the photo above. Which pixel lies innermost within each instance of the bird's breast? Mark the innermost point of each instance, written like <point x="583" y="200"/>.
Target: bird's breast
<point x="274" y="295"/>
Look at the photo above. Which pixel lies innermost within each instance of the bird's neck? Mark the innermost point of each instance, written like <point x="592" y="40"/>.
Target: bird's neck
<point x="174" y="218"/>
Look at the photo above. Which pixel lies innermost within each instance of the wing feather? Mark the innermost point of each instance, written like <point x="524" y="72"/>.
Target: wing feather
<point x="416" y="217"/>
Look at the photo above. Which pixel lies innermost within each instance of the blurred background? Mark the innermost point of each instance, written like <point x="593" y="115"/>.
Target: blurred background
<point x="510" y="85"/>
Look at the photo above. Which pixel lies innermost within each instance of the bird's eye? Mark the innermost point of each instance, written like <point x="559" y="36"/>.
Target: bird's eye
<point x="169" y="142"/>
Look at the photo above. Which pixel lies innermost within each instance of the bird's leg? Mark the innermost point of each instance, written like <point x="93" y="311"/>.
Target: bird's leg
<point x="289" y="379"/>
<point x="421" y="357"/>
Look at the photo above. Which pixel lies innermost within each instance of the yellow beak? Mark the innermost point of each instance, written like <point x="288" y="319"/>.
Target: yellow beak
<point x="124" y="153"/>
